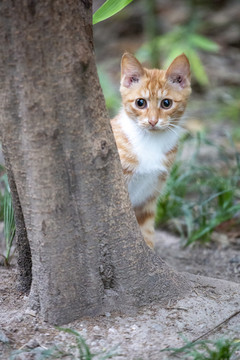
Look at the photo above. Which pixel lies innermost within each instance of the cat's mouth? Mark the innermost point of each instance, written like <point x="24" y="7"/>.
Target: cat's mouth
<point x="157" y="128"/>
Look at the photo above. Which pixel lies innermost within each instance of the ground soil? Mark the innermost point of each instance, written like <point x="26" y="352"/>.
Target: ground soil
<point x="211" y="311"/>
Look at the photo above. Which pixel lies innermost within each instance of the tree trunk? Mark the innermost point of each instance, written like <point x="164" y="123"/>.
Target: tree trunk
<point x="87" y="252"/>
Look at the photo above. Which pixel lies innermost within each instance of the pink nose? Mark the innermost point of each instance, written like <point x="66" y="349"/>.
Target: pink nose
<point x="153" y="122"/>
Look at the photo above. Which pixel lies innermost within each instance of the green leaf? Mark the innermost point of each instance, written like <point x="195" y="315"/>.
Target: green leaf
<point x="197" y="68"/>
<point x="203" y="43"/>
<point x="9" y="223"/>
<point x="108" y="9"/>
<point x="173" y="54"/>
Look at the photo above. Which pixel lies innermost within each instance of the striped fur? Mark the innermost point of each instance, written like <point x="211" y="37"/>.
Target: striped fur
<point x="147" y="137"/>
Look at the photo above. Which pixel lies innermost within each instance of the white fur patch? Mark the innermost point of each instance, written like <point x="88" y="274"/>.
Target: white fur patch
<point x="141" y="187"/>
<point x="150" y="148"/>
<point x="145" y="94"/>
<point x="164" y="93"/>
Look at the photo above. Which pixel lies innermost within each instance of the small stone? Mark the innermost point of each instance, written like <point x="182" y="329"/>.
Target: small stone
<point x="134" y="327"/>
<point x="96" y="328"/>
<point x="32" y="344"/>
<point x="30" y="312"/>
<point x="3" y="337"/>
<point x="83" y="332"/>
<point x="19" y="318"/>
<point x="107" y="314"/>
<point x="112" y="331"/>
<point x="157" y="327"/>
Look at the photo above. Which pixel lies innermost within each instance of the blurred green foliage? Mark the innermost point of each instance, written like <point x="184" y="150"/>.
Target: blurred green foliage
<point x="182" y="39"/>
<point x="7" y="216"/>
<point x="197" y="197"/>
<point x="229" y="108"/>
<point x="111" y="93"/>
<point x="220" y="349"/>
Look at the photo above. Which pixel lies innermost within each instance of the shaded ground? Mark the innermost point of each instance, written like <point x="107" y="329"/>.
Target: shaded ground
<point x="219" y="259"/>
<point x="212" y="310"/>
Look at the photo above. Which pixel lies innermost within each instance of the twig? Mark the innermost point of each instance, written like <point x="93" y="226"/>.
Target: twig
<point x="208" y="332"/>
<point x="217" y="326"/>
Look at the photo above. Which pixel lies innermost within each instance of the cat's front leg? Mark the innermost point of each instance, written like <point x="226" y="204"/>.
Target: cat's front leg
<point x="145" y="215"/>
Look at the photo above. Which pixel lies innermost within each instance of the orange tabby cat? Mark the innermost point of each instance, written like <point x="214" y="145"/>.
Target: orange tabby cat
<point x="147" y="131"/>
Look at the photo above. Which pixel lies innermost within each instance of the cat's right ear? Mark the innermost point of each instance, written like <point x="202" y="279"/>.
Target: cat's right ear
<point x="178" y="73"/>
<point x="131" y="70"/>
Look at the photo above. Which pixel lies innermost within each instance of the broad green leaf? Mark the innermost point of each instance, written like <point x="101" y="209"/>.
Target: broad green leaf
<point x="173" y="54"/>
<point x="203" y="43"/>
<point x="108" y="9"/>
<point x="197" y="68"/>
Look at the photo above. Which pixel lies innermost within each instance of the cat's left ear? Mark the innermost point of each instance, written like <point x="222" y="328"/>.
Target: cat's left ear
<point x="131" y="70"/>
<point x="178" y="72"/>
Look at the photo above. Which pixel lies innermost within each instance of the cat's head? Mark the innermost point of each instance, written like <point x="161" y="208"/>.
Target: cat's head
<point x="155" y="99"/>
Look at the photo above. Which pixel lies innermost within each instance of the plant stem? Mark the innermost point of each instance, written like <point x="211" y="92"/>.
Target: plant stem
<point x="152" y="31"/>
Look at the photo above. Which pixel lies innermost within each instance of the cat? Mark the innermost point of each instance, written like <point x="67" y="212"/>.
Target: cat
<point x="147" y="131"/>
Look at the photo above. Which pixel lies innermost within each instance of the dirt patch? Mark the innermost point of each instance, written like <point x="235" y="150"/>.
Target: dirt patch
<point x="212" y="310"/>
<point x="218" y="259"/>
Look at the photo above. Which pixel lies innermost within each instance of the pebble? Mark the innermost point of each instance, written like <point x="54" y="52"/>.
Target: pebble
<point x="32" y="344"/>
<point x="19" y="318"/>
<point x="157" y="327"/>
<point x="96" y="328"/>
<point x="134" y="327"/>
<point x="3" y="337"/>
<point x="112" y="331"/>
<point x="30" y="312"/>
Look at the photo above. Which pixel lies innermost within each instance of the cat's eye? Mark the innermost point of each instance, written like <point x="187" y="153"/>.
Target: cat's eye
<point x="141" y="103"/>
<point x="166" y="103"/>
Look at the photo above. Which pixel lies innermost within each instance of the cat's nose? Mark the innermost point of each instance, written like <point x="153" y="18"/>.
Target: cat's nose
<point x="153" y="121"/>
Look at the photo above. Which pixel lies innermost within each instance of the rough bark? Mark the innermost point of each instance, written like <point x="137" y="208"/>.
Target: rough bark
<point x="87" y="252"/>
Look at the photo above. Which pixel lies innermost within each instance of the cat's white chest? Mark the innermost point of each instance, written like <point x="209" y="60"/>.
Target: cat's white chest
<point x="151" y="149"/>
<point x="145" y="180"/>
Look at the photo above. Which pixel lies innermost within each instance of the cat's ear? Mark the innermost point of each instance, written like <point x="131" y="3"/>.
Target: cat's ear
<point x="131" y="70"/>
<point x="178" y="72"/>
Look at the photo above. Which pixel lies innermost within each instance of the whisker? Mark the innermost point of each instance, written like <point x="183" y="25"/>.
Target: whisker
<point x="169" y="128"/>
<point x="181" y="128"/>
<point x="175" y="126"/>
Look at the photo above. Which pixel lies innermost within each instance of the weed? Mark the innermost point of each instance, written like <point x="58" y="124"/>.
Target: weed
<point x="228" y="110"/>
<point x="84" y="352"/>
<point x="198" y="198"/>
<point x="2" y="180"/>
<point x="8" y="219"/>
<point x="221" y="349"/>
<point x="80" y="351"/>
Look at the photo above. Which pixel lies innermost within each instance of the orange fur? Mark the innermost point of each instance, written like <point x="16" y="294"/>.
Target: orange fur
<point x="147" y="135"/>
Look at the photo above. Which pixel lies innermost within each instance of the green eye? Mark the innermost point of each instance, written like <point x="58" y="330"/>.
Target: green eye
<point x="166" y="103"/>
<point x="141" y="103"/>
